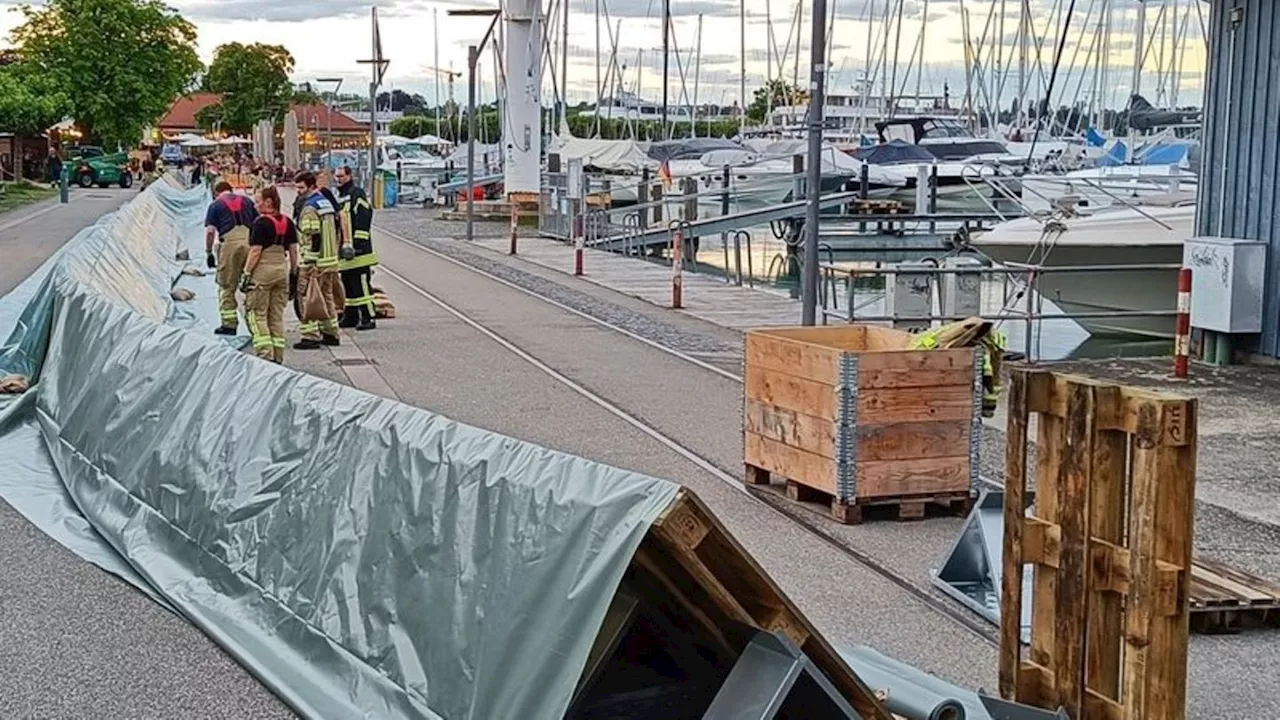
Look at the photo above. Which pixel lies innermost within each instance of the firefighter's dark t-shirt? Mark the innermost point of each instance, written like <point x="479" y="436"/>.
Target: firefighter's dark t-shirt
<point x="230" y="211"/>
<point x="269" y="231"/>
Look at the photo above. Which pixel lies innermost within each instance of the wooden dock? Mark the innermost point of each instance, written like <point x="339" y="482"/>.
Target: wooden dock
<point x="706" y="297"/>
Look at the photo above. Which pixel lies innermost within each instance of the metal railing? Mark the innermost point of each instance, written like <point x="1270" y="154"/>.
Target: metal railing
<point x="1020" y="287"/>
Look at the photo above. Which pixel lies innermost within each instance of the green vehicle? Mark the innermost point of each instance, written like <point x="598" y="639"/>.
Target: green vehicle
<point x="88" y="166"/>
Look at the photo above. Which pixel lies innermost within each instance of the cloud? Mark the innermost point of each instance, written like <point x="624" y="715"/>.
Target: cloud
<point x="292" y="12"/>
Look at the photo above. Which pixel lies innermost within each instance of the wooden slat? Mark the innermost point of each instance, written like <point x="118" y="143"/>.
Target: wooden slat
<point x="1051" y="399"/>
<point x="791" y="392"/>
<point x="907" y="441"/>
<point x="1041" y="542"/>
<point x="1175" y="512"/>
<point x="892" y="478"/>
<point x="911" y="405"/>
<point x="752" y="597"/>
<point x="1074" y="472"/>
<point x="915" y="368"/>
<point x="792" y="463"/>
<point x="816" y="435"/>
<point x="1011" y="579"/>
<point x="790" y="357"/>
<point x="1043" y="616"/>
<point x="1106" y="522"/>
<point x="1256" y="590"/>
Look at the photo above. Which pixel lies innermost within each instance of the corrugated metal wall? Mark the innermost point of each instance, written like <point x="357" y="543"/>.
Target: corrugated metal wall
<point x="1239" y="195"/>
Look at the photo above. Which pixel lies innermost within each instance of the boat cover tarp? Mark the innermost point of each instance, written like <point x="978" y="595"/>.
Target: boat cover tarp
<point x="688" y="148"/>
<point x="606" y="155"/>
<point x="361" y="557"/>
<point x="894" y="152"/>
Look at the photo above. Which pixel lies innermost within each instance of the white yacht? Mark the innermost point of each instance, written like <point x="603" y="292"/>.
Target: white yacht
<point x="1143" y="234"/>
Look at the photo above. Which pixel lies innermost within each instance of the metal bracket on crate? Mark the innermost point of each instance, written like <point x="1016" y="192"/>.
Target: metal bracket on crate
<point x="975" y="434"/>
<point x="846" y="428"/>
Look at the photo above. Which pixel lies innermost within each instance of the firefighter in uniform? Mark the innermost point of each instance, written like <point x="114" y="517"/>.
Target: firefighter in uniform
<point x="318" y="226"/>
<point x="270" y="276"/>
<point x="973" y="332"/>
<point x="355" y="265"/>
<point x="228" y="219"/>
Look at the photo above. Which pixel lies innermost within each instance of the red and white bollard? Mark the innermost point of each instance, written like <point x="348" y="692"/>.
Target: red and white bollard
<point x="515" y="224"/>
<point x="1182" y="338"/>
<point x="579" y="246"/>
<point x="677" y="267"/>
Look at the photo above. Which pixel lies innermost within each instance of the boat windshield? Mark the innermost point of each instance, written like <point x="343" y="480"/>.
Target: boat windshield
<point x="407" y="152"/>
<point x="932" y="129"/>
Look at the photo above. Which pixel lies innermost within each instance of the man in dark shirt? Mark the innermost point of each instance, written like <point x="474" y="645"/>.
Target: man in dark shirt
<point x="228" y="219"/>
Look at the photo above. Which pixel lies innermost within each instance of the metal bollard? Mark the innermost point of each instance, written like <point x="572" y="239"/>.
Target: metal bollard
<point x="64" y="190"/>
<point x="1182" y="340"/>
<point x="579" y="245"/>
<point x="515" y="224"/>
<point x="677" y="266"/>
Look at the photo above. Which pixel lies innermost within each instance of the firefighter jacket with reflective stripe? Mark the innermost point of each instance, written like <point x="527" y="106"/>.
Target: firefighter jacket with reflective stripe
<point x="359" y="213"/>
<point x="318" y="222"/>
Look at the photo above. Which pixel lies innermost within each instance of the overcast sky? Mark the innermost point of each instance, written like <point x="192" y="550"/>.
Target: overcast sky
<point x="327" y="37"/>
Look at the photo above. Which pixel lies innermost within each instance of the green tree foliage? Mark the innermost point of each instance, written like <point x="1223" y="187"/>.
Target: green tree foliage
<point x="30" y="102"/>
<point x="120" y="63"/>
<point x="253" y="81"/>
<point x="782" y="92"/>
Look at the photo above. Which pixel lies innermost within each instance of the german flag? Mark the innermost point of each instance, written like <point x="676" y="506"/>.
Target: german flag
<point x="664" y="174"/>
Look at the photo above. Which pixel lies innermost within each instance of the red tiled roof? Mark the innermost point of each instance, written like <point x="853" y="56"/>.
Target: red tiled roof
<point x="310" y="115"/>
<point x="182" y="114"/>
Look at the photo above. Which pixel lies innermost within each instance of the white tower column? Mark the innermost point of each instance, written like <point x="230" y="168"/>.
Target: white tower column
<point x="522" y="106"/>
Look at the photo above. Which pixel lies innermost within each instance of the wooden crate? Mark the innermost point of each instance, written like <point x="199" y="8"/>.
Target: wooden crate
<point x="850" y="413"/>
<point x="1110" y="542"/>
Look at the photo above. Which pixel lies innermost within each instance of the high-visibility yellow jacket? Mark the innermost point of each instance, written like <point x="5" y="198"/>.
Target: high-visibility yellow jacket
<point x="318" y="223"/>
<point x="358" y="211"/>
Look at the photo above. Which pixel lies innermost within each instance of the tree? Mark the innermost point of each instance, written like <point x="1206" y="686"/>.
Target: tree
<point x="120" y="63"/>
<point x="29" y="103"/>
<point x="783" y="93"/>
<point x="401" y="101"/>
<point x="253" y="81"/>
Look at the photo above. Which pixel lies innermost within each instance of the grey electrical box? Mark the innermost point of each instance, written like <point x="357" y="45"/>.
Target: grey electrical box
<point x="961" y="292"/>
<point x="1226" y="283"/>
<point x="908" y="295"/>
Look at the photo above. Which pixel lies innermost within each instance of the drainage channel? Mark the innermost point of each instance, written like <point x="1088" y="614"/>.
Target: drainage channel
<point x="959" y="616"/>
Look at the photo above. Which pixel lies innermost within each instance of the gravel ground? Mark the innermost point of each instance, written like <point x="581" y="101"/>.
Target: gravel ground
<point x="430" y="232"/>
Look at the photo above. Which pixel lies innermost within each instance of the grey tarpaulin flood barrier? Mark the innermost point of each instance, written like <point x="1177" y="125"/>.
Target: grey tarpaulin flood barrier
<point x="361" y="557"/>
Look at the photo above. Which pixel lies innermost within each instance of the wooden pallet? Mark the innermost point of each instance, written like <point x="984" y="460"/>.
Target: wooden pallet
<point x="1227" y="600"/>
<point x="1110" y="542"/>
<point x="878" y="207"/>
<point x="903" y="508"/>
<point x="725" y="590"/>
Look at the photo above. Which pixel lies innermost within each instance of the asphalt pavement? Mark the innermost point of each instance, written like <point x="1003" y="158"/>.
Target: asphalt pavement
<point x="75" y="642"/>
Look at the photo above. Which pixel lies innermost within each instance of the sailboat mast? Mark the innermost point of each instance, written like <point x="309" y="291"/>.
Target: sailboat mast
<point x="564" y="69"/>
<point x="924" y="23"/>
<point x="435" y="65"/>
<point x="697" y="75"/>
<point x="1023" y="32"/>
<point x="666" y="52"/>
<point x="742" y="66"/>
<point x="1136" y="86"/>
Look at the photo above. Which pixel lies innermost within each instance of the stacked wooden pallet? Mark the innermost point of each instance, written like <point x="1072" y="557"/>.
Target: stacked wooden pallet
<point x="1226" y="600"/>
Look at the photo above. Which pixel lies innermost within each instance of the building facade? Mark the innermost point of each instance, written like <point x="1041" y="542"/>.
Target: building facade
<point x="1239" y="188"/>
